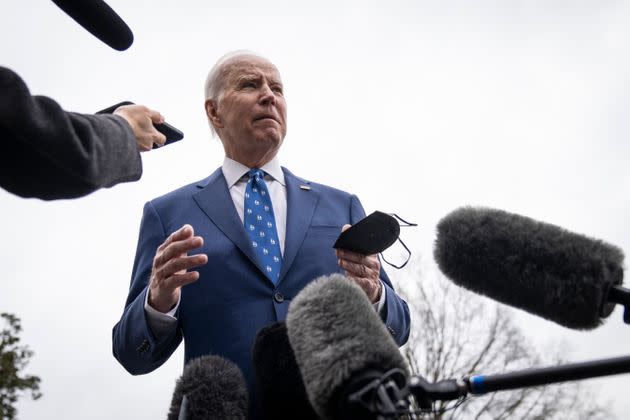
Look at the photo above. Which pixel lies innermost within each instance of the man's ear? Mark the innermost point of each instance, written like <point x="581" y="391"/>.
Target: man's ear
<point x="212" y="112"/>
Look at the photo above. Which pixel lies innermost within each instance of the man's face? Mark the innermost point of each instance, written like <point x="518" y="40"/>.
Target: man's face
<point x="251" y="115"/>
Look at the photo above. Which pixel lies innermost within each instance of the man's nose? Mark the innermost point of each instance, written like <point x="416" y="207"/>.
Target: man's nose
<point x="267" y="96"/>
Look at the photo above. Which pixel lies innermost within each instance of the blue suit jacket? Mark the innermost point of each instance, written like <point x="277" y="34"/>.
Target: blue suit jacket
<point x="222" y="312"/>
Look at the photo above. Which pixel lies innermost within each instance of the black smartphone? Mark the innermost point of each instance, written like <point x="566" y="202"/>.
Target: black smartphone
<point x="172" y="134"/>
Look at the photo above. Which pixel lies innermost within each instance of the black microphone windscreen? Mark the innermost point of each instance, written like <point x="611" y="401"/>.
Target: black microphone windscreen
<point x="336" y="335"/>
<point x="279" y="387"/>
<point x="214" y="388"/>
<point x="100" y="20"/>
<point x="538" y="267"/>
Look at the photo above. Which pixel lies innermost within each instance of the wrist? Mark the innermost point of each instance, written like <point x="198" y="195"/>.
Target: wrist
<point x="160" y="305"/>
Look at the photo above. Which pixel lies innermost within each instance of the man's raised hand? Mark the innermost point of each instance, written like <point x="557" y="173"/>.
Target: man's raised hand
<point x="171" y="265"/>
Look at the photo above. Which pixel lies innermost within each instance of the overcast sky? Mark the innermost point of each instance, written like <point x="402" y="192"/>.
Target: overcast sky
<point x="418" y="107"/>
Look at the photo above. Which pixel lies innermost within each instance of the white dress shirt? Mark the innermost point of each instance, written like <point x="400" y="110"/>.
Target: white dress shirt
<point x="236" y="176"/>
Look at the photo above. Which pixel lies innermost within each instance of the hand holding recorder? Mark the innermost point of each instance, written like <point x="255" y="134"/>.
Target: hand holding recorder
<point x="149" y="127"/>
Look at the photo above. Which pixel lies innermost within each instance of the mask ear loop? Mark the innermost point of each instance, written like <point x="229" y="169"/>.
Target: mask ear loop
<point x="407" y="224"/>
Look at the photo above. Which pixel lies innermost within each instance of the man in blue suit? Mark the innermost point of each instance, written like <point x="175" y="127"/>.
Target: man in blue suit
<point x="245" y="275"/>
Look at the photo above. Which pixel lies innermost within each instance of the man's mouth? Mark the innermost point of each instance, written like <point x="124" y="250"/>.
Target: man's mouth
<point x="265" y="117"/>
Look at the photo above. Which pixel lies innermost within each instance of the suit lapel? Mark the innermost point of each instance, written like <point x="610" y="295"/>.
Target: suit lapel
<point x="216" y="202"/>
<point x="301" y="202"/>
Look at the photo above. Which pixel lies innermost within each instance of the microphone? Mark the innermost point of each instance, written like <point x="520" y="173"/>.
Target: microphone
<point x="100" y="20"/>
<point x="546" y="270"/>
<point x="279" y="386"/>
<point x="210" y="387"/>
<point x="344" y="352"/>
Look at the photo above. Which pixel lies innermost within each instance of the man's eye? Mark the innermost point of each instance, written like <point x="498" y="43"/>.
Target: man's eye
<point x="249" y="85"/>
<point x="277" y="89"/>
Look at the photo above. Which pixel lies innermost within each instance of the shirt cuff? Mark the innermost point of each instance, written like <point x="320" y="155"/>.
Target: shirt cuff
<point x="161" y="324"/>
<point x="378" y="306"/>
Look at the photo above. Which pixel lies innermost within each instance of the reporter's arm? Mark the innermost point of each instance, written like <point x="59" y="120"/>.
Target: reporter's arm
<point x="49" y="153"/>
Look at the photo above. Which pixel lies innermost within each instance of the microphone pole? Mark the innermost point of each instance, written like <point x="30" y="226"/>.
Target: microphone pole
<point x="451" y="389"/>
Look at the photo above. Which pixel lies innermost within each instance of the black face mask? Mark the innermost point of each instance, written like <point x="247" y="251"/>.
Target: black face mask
<point x="373" y="235"/>
<point x="406" y="224"/>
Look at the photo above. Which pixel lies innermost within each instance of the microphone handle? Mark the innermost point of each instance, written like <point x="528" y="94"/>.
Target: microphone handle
<point x="621" y="295"/>
<point x="450" y="389"/>
<point x="183" y="409"/>
<point x="480" y="384"/>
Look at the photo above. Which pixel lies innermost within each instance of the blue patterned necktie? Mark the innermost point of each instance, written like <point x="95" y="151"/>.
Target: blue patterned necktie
<point x="260" y="225"/>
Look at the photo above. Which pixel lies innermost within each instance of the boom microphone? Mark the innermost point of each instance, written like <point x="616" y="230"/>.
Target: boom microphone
<point x="342" y="347"/>
<point x="100" y="20"/>
<point x="211" y="387"/>
<point x="279" y="386"/>
<point x="541" y="268"/>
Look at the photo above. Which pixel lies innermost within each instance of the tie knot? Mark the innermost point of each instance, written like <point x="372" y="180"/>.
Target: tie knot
<point x="256" y="173"/>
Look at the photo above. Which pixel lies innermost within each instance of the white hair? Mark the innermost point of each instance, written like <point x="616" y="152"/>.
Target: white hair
<point x="215" y="86"/>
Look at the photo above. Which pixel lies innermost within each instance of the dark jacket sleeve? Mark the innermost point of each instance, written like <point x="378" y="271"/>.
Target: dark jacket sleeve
<point x="396" y="312"/>
<point x="49" y="153"/>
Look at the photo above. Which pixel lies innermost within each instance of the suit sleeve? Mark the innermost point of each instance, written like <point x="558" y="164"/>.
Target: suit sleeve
<point x="396" y="312"/>
<point x="134" y="344"/>
<point x="49" y="153"/>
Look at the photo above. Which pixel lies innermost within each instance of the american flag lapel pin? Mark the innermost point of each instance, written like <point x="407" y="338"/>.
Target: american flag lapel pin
<point x="305" y="187"/>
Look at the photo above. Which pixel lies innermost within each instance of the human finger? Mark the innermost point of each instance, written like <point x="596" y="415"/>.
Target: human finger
<point x="355" y="257"/>
<point x="142" y="120"/>
<point x="158" y="138"/>
<point x="156" y="117"/>
<point x="177" y="248"/>
<point x="181" y="233"/>
<point x="148" y="135"/>
<point x="183" y="279"/>
<point x="371" y="287"/>
<point x="357" y="270"/>
<point x="178" y="265"/>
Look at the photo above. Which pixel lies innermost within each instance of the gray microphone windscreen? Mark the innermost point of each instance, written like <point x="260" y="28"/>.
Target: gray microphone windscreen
<point x="336" y="335"/>
<point x="214" y="388"/>
<point x="538" y="267"/>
